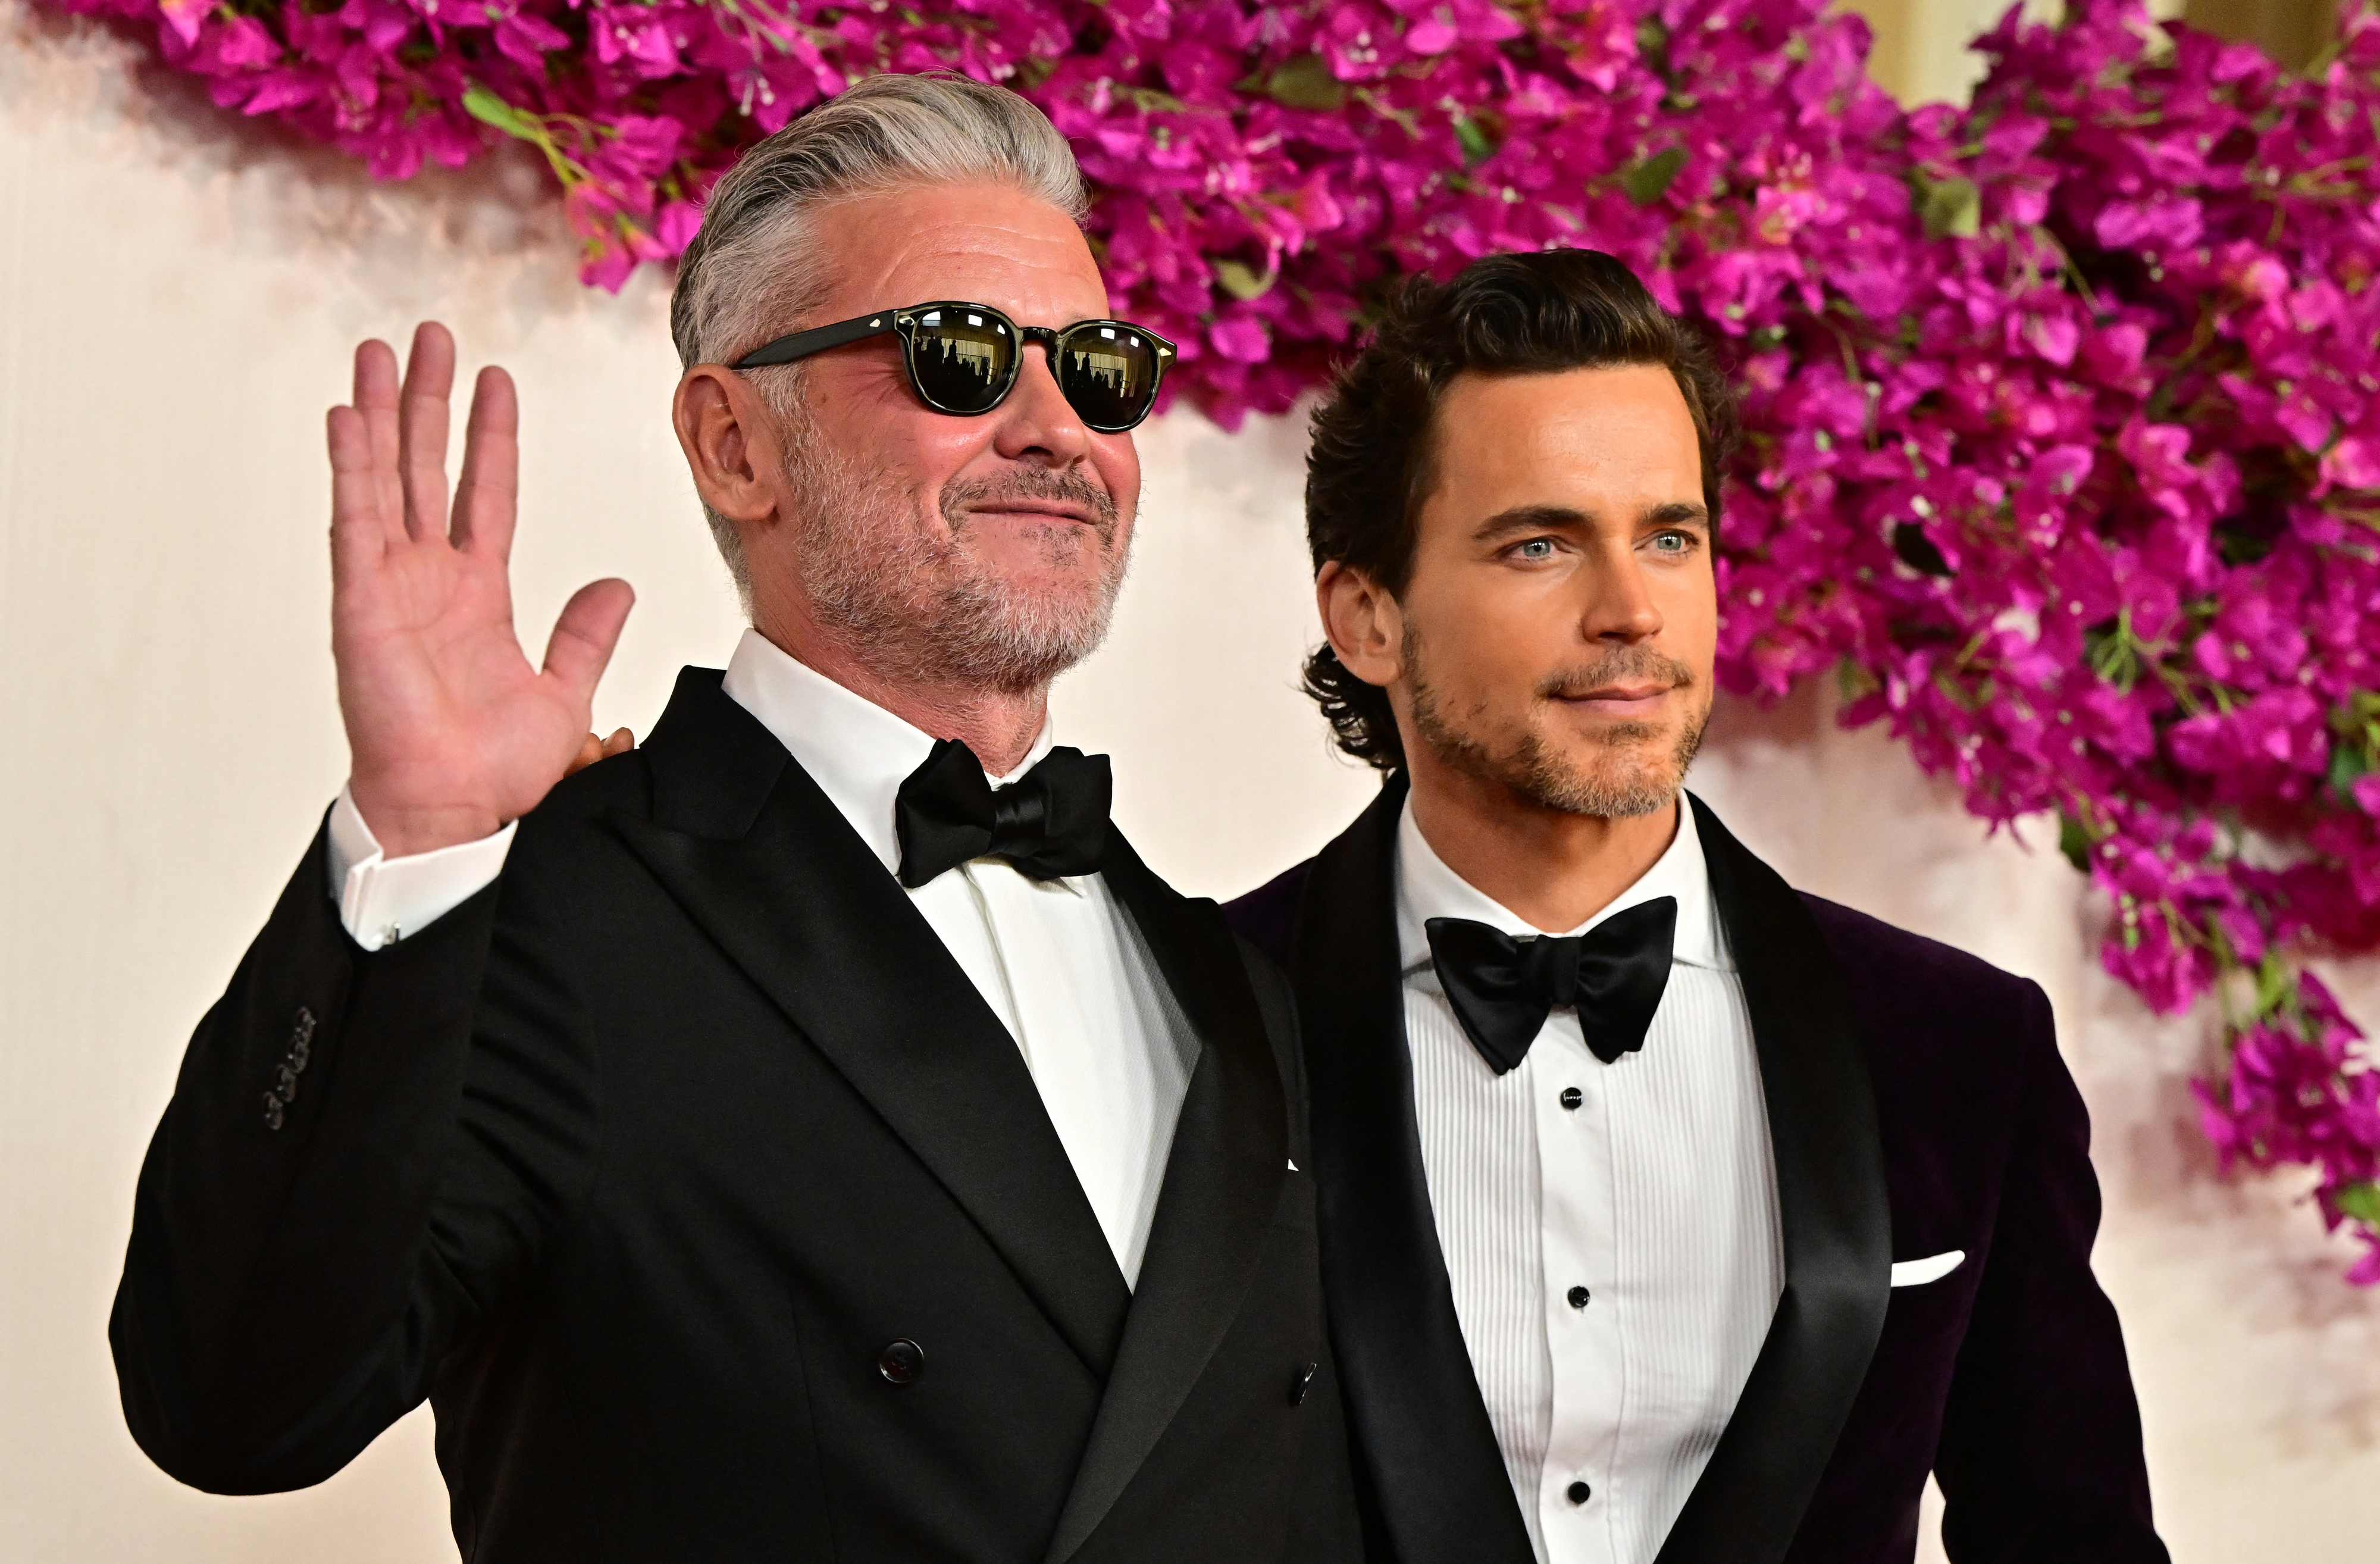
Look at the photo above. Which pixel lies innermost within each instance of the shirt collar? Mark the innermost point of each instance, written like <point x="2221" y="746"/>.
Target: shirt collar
<point x="856" y="752"/>
<point x="1427" y="889"/>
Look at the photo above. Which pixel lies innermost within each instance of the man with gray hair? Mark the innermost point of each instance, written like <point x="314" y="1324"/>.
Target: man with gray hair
<point x="814" y="1134"/>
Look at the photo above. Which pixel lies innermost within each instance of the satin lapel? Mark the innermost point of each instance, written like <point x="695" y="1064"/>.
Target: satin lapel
<point x="1222" y="1185"/>
<point x="766" y="864"/>
<point x="1837" y="1221"/>
<point x="1421" y="1430"/>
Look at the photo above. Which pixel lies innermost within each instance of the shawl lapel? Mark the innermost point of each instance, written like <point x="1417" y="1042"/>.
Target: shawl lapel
<point x="1423" y="1440"/>
<point x="747" y="843"/>
<point x="1424" y="1443"/>
<point x="1223" y="1179"/>
<point x="1832" y="1203"/>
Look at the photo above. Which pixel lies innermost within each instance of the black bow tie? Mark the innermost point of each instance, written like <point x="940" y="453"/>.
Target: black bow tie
<point x="1052" y="821"/>
<point x="1502" y="989"/>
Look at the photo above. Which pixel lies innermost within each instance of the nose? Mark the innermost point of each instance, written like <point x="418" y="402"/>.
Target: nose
<point x="1620" y="609"/>
<point x="1037" y="424"/>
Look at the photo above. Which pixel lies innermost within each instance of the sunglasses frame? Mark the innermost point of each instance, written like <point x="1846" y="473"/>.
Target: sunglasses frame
<point x="903" y="321"/>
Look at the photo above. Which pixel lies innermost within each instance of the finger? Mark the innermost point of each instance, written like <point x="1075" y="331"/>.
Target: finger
<point x="620" y="743"/>
<point x="375" y="403"/>
<point x="585" y="636"/>
<point x="357" y="541"/>
<point x="421" y="429"/>
<point x="486" y="500"/>
<point x="588" y="753"/>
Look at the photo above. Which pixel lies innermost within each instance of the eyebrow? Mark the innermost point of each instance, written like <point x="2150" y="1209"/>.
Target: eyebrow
<point x="1544" y="517"/>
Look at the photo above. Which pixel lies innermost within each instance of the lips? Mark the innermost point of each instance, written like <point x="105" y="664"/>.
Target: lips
<point x="1620" y="692"/>
<point x="1044" y="510"/>
<point x="1620" y="701"/>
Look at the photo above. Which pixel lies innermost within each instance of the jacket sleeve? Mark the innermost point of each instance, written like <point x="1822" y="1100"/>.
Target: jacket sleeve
<point x="2040" y="1459"/>
<point x="356" y="1167"/>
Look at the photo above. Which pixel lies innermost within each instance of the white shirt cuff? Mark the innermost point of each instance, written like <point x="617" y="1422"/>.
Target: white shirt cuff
<point x="383" y="899"/>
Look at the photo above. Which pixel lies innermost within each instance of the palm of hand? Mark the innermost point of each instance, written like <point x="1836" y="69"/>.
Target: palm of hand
<point x="450" y="731"/>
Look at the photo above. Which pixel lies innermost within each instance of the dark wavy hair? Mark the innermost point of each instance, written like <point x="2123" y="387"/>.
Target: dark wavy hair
<point x="1371" y="468"/>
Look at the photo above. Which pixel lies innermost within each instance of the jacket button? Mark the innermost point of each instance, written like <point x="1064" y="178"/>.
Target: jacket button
<point x="900" y="1362"/>
<point x="1302" y="1383"/>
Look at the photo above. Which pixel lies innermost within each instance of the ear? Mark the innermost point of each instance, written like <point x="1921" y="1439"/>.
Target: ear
<point x="730" y="442"/>
<point x="1364" y="623"/>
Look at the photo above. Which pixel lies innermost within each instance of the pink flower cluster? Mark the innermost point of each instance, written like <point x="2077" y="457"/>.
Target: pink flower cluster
<point x="2296" y="1094"/>
<point x="2063" y="409"/>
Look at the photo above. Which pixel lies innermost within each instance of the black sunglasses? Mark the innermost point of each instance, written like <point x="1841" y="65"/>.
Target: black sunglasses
<point x="964" y="359"/>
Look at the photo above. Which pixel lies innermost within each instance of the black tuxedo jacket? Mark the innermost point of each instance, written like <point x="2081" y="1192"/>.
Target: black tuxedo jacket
<point x="694" y="1184"/>
<point x="1917" y="1104"/>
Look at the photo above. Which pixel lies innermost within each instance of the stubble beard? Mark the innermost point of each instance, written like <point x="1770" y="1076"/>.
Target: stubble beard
<point x="1628" y="776"/>
<point x="922" y="608"/>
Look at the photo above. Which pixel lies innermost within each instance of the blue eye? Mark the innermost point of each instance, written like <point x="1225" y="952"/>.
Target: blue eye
<point x="1537" y="548"/>
<point x="1674" y="543"/>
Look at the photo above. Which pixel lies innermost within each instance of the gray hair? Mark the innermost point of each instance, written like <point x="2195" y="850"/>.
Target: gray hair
<point x="761" y="261"/>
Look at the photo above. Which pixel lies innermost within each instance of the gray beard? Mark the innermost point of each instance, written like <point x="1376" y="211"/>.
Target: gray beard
<point x="922" y="610"/>
<point x="1625" y="787"/>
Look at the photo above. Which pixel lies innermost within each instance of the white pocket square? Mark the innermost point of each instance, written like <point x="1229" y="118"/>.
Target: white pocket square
<point x="1934" y="1267"/>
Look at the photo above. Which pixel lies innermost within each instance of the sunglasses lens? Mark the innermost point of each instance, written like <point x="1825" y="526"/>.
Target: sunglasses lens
<point x="963" y="359"/>
<point x="1109" y="371"/>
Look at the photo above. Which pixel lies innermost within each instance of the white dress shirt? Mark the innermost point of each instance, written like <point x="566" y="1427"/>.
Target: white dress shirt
<point x="1656" y="1195"/>
<point x="1058" y="962"/>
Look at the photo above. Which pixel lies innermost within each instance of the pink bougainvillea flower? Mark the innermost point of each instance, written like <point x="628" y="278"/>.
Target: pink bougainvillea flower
<point x="2061" y="410"/>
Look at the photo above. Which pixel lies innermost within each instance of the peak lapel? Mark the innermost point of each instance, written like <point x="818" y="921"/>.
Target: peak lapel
<point x="1223" y="1179"/>
<point x="1837" y="1225"/>
<point x="746" y="842"/>
<point x="1421" y="1430"/>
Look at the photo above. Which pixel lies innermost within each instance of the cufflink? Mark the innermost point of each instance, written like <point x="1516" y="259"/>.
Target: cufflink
<point x="292" y="1065"/>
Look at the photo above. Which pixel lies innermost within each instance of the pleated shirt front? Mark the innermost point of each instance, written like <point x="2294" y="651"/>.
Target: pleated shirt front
<point x="1615" y="1263"/>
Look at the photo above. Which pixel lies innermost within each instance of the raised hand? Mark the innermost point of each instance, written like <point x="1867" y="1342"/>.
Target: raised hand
<point x="450" y="731"/>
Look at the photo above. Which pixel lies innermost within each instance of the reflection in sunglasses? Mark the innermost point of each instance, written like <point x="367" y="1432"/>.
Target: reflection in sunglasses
<point x="1110" y="370"/>
<point x="980" y="359"/>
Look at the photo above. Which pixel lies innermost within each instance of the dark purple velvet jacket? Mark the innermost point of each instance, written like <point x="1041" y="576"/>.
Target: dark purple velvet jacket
<point x="1917" y="1104"/>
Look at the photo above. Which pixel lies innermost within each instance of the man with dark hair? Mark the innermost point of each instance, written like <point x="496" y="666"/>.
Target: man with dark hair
<point x="1666" y="1212"/>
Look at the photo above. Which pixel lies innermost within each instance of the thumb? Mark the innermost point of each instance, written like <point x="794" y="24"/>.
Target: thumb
<point x="585" y="635"/>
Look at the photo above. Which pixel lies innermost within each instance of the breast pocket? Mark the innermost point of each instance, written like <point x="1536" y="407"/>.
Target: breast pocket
<point x="1933" y="1294"/>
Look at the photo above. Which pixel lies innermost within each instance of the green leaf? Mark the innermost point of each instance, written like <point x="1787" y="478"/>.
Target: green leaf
<point x="1952" y="207"/>
<point x="2074" y="841"/>
<point x="2113" y="652"/>
<point x="2358" y="1201"/>
<point x="1306" y="82"/>
<point x="489" y="109"/>
<point x="1648" y="179"/>
<point x="1477" y="148"/>
<point x="1242" y="281"/>
<point x="2347" y="765"/>
<point x="2275" y="984"/>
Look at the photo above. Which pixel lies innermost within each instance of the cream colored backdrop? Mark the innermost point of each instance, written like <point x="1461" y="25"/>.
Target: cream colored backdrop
<point x="177" y="299"/>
